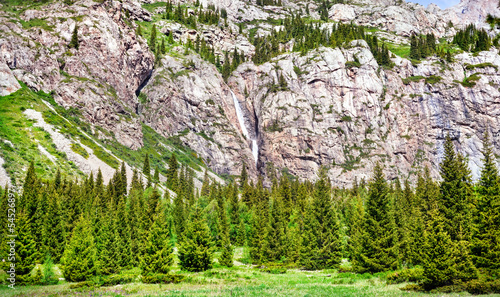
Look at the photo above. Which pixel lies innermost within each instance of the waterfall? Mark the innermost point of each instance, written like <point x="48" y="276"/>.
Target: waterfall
<point x="241" y="120"/>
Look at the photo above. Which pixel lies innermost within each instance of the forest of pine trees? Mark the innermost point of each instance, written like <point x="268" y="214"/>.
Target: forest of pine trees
<point x="309" y="36"/>
<point x="450" y="228"/>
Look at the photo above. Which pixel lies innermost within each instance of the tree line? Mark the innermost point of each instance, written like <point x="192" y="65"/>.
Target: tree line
<point x="450" y="228"/>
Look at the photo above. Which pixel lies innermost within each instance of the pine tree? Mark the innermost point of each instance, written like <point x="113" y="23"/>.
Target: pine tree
<point x="29" y="199"/>
<point x="486" y="242"/>
<point x="74" y="43"/>
<point x="107" y="243"/>
<point x="157" y="175"/>
<point x="53" y="236"/>
<point x="438" y="254"/>
<point x="138" y="31"/>
<point x="456" y="193"/>
<point x="243" y="176"/>
<point x="226" y="257"/>
<point x="258" y="231"/>
<point x="195" y="251"/>
<point x="172" y="174"/>
<point x="79" y="258"/>
<point x="356" y="221"/>
<point x="276" y="243"/>
<point x="158" y="255"/>
<point x="378" y="252"/>
<point x="146" y="169"/>
<point x="205" y="187"/>
<point x="241" y="238"/>
<point x="321" y="246"/>
<point x="152" y="39"/>
<point x="26" y="249"/>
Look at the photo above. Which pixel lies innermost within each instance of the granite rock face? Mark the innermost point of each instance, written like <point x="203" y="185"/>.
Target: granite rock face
<point x="337" y="107"/>
<point x="347" y="118"/>
<point x="100" y="78"/>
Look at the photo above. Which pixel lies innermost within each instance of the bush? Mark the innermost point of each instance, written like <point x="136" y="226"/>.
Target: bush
<point x="406" y="275"/>
<point x="48" y="275"/>
<point x="117" y="279"/>
<point x="162" y="278"/>
<point x="86" y="284"/>
<point x="477" y="287"/>
<point x="412" y="287"/>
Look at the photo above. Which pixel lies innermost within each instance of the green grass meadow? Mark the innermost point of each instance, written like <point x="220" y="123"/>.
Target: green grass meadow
<point x="239" y="280"/>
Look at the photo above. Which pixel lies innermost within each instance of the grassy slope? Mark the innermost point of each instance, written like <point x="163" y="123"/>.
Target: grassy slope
<point x="25" y="138"/>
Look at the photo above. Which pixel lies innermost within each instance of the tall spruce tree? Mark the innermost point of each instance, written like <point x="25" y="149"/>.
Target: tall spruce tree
<point x="322" y="247"/>
<point x="486" y="242"/>
<point x="456" y="193"/>
<point x="146" y="169"/>
<point x="276" y="242"/>
<point x="172" y="174"/>
<point x="26" y="249"/>
<point x="53" y="236"/>
<point x="79" y="258"/>
<point x="158" y="255"/>
<point x="196" y="251"/>
<point x="378" y="252"/>
<point x="438" y="253"/>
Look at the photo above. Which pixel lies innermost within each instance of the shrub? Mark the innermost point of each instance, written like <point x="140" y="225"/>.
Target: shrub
<point x="406" y="275"/>
<point x="86" y="284"/>
<point x="433" y="79"/>
<point x="162" y="278"/>
<point x="410" y="79"/>
<point x="477" y="287"/>
<point x="116" y="279"/>
<point x="412" y="287"/>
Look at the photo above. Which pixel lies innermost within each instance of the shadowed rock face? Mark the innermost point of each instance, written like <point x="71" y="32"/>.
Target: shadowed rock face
<point x="332" y="112"/>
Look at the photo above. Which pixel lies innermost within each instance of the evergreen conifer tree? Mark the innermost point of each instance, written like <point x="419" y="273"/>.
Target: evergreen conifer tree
<point x="26" y="249"/>
<point x="158" y="255"/>
<point x="321" y="244"/>
<point x="74" y="43"/>
<point x="276" y="246"/>
<point x="378" y="252"/>
<point x="486" y="242"/>
<point x="172" y="174"/>
<point x="195" y="251"/>
<point x="79" y="258"/>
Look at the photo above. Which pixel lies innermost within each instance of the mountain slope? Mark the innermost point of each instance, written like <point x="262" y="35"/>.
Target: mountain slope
<point x="305" y="105"/>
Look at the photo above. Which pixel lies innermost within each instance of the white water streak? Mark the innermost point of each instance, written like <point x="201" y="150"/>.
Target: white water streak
<point x="244" y="130"/>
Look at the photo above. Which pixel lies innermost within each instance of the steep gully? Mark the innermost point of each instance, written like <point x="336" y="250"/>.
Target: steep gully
<point x="244" y="130"/>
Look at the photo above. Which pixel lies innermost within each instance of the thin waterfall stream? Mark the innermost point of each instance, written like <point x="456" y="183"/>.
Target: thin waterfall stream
<point x="241" y="120"/>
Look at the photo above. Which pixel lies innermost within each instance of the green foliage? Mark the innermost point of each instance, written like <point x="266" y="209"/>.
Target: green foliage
<point x="158" y="254"/>
<point x="195" y="251"/>
<point x="481" y="65"/>
<point x="25" y="249"/>
<point x="422" y="46"/>
<point x="74" y="43"/>
<point x="162" y="279"/>
<point x="321" y="246"/>
<point x="472" y="39"/>
<point x="116" y="279"/>
<point x="48" y="274"/>
<point x="79" y="258"/>
<point x="470" y="81"/>
<point x="77" y="148"/>
<point x="413" y="275"/>
<point x="486" y="245"/>
<point x="378" y="241"/>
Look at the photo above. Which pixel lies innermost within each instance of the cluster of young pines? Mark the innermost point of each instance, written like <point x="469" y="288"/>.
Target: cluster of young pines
<point x="450" y="228"/>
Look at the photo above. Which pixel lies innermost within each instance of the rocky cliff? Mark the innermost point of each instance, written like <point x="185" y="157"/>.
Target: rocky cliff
<point x="337" y="107"/>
